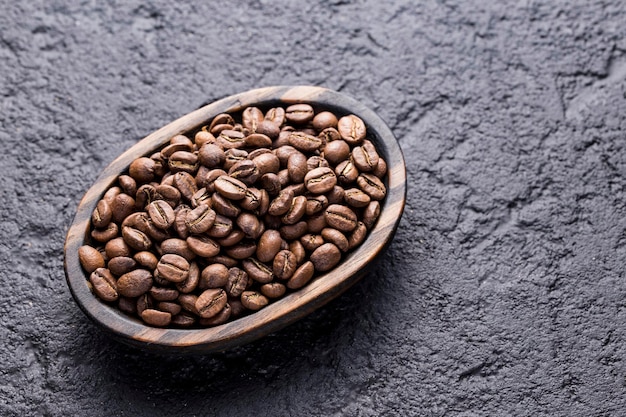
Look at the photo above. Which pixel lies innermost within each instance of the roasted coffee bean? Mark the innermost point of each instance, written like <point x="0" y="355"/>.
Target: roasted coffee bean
<point x="301" y="276"/>
<point x="233" y="156"/>
<point x="173" y="268"/>
<point x="181" y="139"/>
<point x="203" y="137"/>
<point x="311" y="241"/>
<point x="325" y="257"/>
<point x="336" y="151"/>
<point x="163" y="294"/>
<point x="266" y="163"/>
<point x="142" y="170"/>
<point x="136" y="239"/>
<point x="341" y="218"/>
<point x="232" y="239"/>
<point x="221" y="317"/>
<point x="134" y="283"/>
<point x="123" y="205"/>
<point x="237" y="282"/>
<point x="104" y="284"/>
<point x="156" y="318"/>
<point x="128" y="184"/>
<point x="273" y="289"/>
<point x="315" y="204"/>
<point x="192" y="281"/>
<point x="245" y="171"/>
<point x="336" y="195"/>
<point x="372" y="186"/>
<point x="283" y="177"/>
<point x="298" y="189"/>
<point x="121" y="265"/>
<point x="186" y="184"/>
<point x="346" y="172"/>
<point x="316" y="222"/>
<point x="146" y="259"/>
<point x="329" y="134"/>
<point x="188" y="302"/>
<point x="266" y="127"/>
<point x="257" y="270"/>
<point x="183" y="320"/>
<point x="304" y="142"/>
<point x="284" y="264"/>
<point x="183" y="161"/>
<point x="352" y="129"/>
<point x="251" y="117"/>
<point x="269" y="245"/>
<point x="145" y="195"/>
<point x="357" y="236"/>
<point x="116" y="247"/>
<point x="201" y="197"/>
<point x="271" y="183"/>
<point x="102" y="215"/>
<point x="169" y="193"/>
<point x="299" y="113"/>
<point x="335" y="237"/>
<point x="371" y="213"/>
<point x="211" y="155"/>
<point x="143" y="302"/>
<point x="316" y="162"/>
<point x="320" y="180"/>
<point x="258" y="140"/>
<point x="250" y="225"/>
<point x="264" y="204"/>
<point x="230" y="187"/>
<point x="168" y="307"/>
<point x="203" y="246"/>
<point x="172" y="148"/>
<point x="180" y="222"/>
<point x="297" y="167"/>
<point x="222" y="226"/>
<point x="221" y="119"/>
<point x="177" y="247"/>
<point x="252" y="200"/>
<point x="213" y="276"/>
<point x="294" y="231"/>
<point x="365" y="157"/>
<point x="127" y="305"/>
<point x="231" y="139"/>
<point x="242" y="250"/>
<point x="296" y="211"/>
<point x="297" y="249"/>
<point x="90" y="258"/>
<point x="323" y="120"/>
<point x="381" y="168"/>
<point x="356" y="198"/>
<point x="281" y="204"/>
<point x="161" y="214"/>
<point x="276" y="116"/>
<point x="111" y="193"/>
<point x="253" y="300"/>
<point x="200" y="219"/>
<point x="205" y="178"/>
<point x="224" y="206"/>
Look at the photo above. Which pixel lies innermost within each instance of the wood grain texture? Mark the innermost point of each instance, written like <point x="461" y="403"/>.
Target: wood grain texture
<point x="282" y="312"/>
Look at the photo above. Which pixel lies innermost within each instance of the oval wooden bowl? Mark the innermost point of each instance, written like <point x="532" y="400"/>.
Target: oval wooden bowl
<point x="279" y="313"/>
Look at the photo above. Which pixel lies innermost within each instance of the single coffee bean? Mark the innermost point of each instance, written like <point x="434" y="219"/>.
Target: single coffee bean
<point x="201" y="197"/>
<point x="323" y="120"/>
<point x="102" y="214"/>
<point x="128" y="184"/>
<point x="104" y="284"/>
<point x="352" y="129"/>
<point x="273" y="289"/>
<point x="284" y="264"/>
<point x="136" y="239"/>
<point x="232" y="239"/>
<point x="145" y="195"/>
<point x="183" y="320"/>
<point x="283" y="177"/>
<point x="372" y="186"/>
<point x="237" y="282"/>
<point x="301" y="276"/>
<point x="200" y="219"/>
<point x="192" y="281"/>
<point x="253" y="300"/>
<point x="297" y="167"/>
<point x="341" y="218"/>
<point x="276" y="116"/>
<point x="271" y="183"/>
<point x="294" y="231"/>
<point x="264" y="204"/>
<point x="156" y="318"/>
<point x="233" y="156"/>
<point x="266" y="163"/>
<point x="231" y="139"/>
<point x="316" y="162"/>
<point x="325" y="257"/>
<point x="222" y="226"/>
<point x="300" y="113"/>
<point x="122" y="206"/>
<point x="329" y="134"/>
<point x="381" y="168"/>
<point x="168" y="307"/>
<point x="257" y="270"/>
<point x="177" y="247"/>
<point x="316" y="222"/>
<point x="304" y="142"/>
<point x="296" y="211"/>
<point x="163" y="293"/>
<point x="284" y="152"/>
<point x="356" y="198"/>
<point x="173" y="268"/>
<point x="320" y="180"/>
<point x="116" y="247"/>
<point x="252" y="200"/>
<point x="183" y="161"/>
<point x="181" y="139"/>
<point x="336" y="195"/>
<point x="172" y="148"/>
<point x="250" y="225"/>
<point x="121" y="265"/>
<point x="221" y="317"/>
<point x="251" y="117"/>
<point x="371" y="213"/>
<point x="142" y="170"/>
<point x="258" y="140"/>
<point x="365" y="156"/>
<point x="315" y="204"/>
<point x="297" y="249"/>
<point x="143" y="302"/>
<point x="211" y="155"/>
<point x="221" y="119"/>
<point x="203" y="137"/>
<point x="269" y="245"/>
<point x="161" y="214"/>
<point x="134" y="283"/>
<point x="213" y="276"/>
<point x="90" y="258"/>
<point x="242" y="250"/>
<point x="282" y="203"/>
<point x="180" y="222"/>
<point x="146" y="259"/>
<point x="169" y="193"/>
<point x="203" y="246"/>
<point x="245" y="171"/>
<point x="186" y="184"/>
<point x="188" y="302"/>
<point x="230" y="187"/>
<point x="357" y="236"/>
<point x="311" y="241"/>
<point x="111" y="193"/>
<point x="335" y="237"/>
<point x="224" y="206"/>
<point x="346" y="172"/>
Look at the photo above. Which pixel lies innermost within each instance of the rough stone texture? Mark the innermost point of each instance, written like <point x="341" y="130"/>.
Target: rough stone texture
<point x="503" y="292"/>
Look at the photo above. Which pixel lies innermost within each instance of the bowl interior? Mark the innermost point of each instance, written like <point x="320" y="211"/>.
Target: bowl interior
<point x="278" y="313"/>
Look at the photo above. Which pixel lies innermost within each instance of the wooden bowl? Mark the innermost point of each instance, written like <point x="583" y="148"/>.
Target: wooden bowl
<point x="279" y="313"/>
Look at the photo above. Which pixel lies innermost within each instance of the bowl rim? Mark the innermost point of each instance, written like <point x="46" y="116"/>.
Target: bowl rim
<point x="277" y="314"/>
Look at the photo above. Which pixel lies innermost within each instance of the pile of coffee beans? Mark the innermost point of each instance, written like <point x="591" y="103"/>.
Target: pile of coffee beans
<point x="221" y="222"/>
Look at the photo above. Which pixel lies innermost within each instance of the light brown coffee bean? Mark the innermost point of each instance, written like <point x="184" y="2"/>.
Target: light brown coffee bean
<point x="104" y="284"/>
<point x="230" y="187"/>
<point x="252" y="200"/>
<point x="122" y="206"/>
<point x="142" y="170"/>
<point x="213" y="276"/>
<point x="381" y="168"/>
<point x="335" y="237"/>
<point x="253" y="300"/>
<point x="320" y="180"/>
<point x="276" y="116"/>
<point x="230" y="139"/>
<point x="136" y="239"/>
<point x="323" y="120"/>
<point x="188" y="302"/>
<point x="169" y="193"/>
<point x="341" y="217"/>
<point x="146" y="259"/>
<point x="110" y="194"/>
<point x="203" y="246"/>
<point x="301" y="276"/>
<point x="258" y="140"/>
<point x="371" y="213"/>
<point x="205" y="178"/>
<point x="90" y="258"/>
<point x="300" y="113"/>
<point x="284" y="264"/>
<point x="203" y="137"/>
<point x="128" y="184"/>
<point x="325" y="257"/>
<point x="251" y="117"/>
<point x="346" y="172"/>
<point x="183" y="161"/>
<point x="186" y="184"/>
<point x="161" y="214"/>
<point x="336" y="195"/>
<point x="269" y="245"/>
<point x="200" y="219"/>
<point x="168" y="307"/>
<point x="201" y="197"/>
<point x="116" y="247"/>
<point x="233" y="156"/>
<point x="134" y="283"/>
<point x="356" y="198"/>
<point x="329" y="134"/>
<point x="237" y="282"/>
<point x="266" y="163"/>
<point x="102" y="214"/>
<point x="273" y="289"/>
<point x="145" y="195"/>
<point x="211" y="155"/>
<point x="224" y="206"/>
<point x="316" y="222"/>
<point x="352" y="129"/>
<point x="170" y="149"/>
<point x="372" y="186"/>
<point x="173" y="268"/>
<point x="357" y="236"/>
<point x="180" y="222"/>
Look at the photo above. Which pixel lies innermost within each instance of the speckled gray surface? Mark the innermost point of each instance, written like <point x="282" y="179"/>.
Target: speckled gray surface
<point x="503" y="292"/>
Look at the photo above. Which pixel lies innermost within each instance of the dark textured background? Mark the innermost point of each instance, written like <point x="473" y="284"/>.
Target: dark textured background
<point x="503" y="292"/>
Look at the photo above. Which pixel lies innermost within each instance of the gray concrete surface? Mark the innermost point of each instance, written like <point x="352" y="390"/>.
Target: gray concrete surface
<point x="503" y="292"/>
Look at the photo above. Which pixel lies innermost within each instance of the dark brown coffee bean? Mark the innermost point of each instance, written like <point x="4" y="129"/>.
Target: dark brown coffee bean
<point x="172" y="148"/>
<point x="203" y="246"/>
<point x="269" y="245"/>
<point x="323" y="120"/>
<point x="123" y="205"/>
<point x="169" y="193"/>
<point x="325" y="257"/>
<point x="221" y="119"/>
<point x="266" y="163"/>
<point x="211" y="155"/>
<point x="253" y="300"/>
<point x="284" y="264"/>
<point x="200" y="219"/>
<point x="381" y="168"/>
<point x="203" y="137"/>
<point x="251" y="117"/>
<point x="213" y="276"/>
<point x="250" y="225"/>
<point x="252" y="200"/>
<point x="336" y="151"/>
<point x="297" y="249"/>
<point x="182" y="140"/>
<point x="258" y="140"/>
<point x="356" y="198"/>
<point x="224" y="206"/>
<point x="341" y="217"/>
<point x="142" y="170"/>
<point x="173" y="268"/>
<point x="90" y="258"/>
<point x="237" y="282"/>
<point x="245" y="171"/>
<point x="183" y="320"/>
<point x="177" y="247"/>
<point x="230" y="187"/>
<point x="311" y="241"/>
<point x="320" y="180"/>
<point x="127" y="305"/>
<point x="372" y="186"/>
<point x="186" y="184"/>
<point x="297" y="167"/>
<point x="315" y="204"/>
<point x="192" y="281"/>
<point x="201" y="197"/>
<point x="283" y="177"/>
<point x="188" y="302"/>
<point x="120" y="265"/>
<point x="346" y="172"/>
<point x="316" y="222"/>
<point x="335" y="237"/>
<point x="168" y="307"/>
<point x="183" y="161"/>
<point x="371" y="213"/>
<point x="316" y="162"/>
<point x="305" y="143"/>
<point x="357" y="236"/>
<point x="282" y="203"/>
<point x="222" y="226"/>
<point x="221" y="317"/>
<point x="264" y="204"/>
<point x="233" y="156"/>
<point x="257" y="270"/>
<point x="352" y="129"/>
<point x="273" y="289"/>
<point x="128" y="184"/>
<point x="145" y="195"/>
<point x="146" y="259"/>
<point x="301" y="276"/>
<point x="143" y="302"/>
<point x="242" y="250"/>
<point x="156" y="318"/>
<point x="102" y="215"/>
<point x="232" y="239"/>
<point x="284" y="152"/>
<point x="134" y="283"/>
<point x="300" y="113"/>
<point x="116" y="247"/>
<point x="294" y="231"/>
<point x="163" y="294"/>
<point x="271" y="183"/>
<point x="205" y="178"/>
<point x="230" y="139"/>
<point x="276" y="116"/>
<point x="180" y="223"/>
<point x="365" y="157"/>
<point x="161" y="214"/>
<point x="296" y="211"/>
<point x="336" y="195"/>
<point x="104" y="285"/>
<point x="329" y="134"/>
<point x="136" y="239"/>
